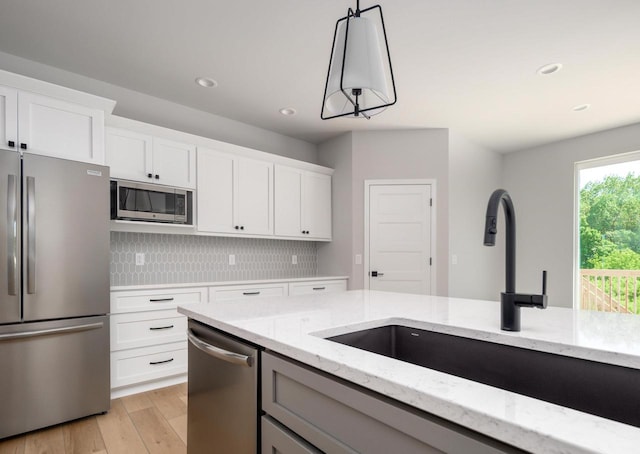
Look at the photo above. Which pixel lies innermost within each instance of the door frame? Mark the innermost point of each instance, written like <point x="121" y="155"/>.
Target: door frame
<point x="432" y="239"/>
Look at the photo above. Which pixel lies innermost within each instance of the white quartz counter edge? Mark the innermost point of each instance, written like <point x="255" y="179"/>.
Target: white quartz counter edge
<point x="527" y="423"/>
<point x="120" y="288"/>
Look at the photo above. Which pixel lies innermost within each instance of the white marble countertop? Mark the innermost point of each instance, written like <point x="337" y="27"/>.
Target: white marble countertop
<point x="295" y="327"/>
<point x="120" y="288"/>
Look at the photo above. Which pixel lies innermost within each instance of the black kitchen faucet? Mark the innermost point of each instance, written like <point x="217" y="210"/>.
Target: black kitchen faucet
<point x="511" y="302"/>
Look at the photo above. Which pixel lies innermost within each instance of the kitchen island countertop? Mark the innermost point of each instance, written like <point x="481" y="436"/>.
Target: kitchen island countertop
<point x="296" y="327"/>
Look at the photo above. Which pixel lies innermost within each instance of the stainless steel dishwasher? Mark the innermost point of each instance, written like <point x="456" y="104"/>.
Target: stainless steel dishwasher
<point x="223" y="393"/>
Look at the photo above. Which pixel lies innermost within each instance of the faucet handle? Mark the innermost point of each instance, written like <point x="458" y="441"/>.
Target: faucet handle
<point x="540" y="301"/>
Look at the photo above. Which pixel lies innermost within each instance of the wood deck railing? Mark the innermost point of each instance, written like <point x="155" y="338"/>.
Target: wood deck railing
<point x="610" y="290"/>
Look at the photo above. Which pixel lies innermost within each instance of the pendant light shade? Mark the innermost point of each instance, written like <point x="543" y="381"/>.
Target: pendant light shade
<point x="360" y="78"/>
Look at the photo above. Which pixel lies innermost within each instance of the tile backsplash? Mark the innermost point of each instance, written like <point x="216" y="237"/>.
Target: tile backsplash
<point x="174" y="259"/>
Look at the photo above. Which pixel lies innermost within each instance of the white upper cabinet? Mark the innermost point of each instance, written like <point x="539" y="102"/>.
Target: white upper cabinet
<point x="288" y="201"/>
<point x="129" y="154"/>
<point x="302" y="203"/>
<point x="141" y="157"/>
<point x="41" y="125"/>
<point x="8" y="118"/>
<point x="215" y="192"/>
<point x="234" y="194"/>
<point x="174" y="163"/>
<point x="316" y="205"/>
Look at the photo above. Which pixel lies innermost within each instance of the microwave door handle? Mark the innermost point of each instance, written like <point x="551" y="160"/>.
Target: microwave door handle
<point x="12" y="230"/>
<point x="31" y="235"/>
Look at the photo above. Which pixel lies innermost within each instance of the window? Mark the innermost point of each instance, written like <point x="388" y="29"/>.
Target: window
<point x="608" y="223"/>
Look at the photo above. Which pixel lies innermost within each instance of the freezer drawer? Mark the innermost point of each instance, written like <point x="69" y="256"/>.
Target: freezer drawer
<point x="53" y="372"/>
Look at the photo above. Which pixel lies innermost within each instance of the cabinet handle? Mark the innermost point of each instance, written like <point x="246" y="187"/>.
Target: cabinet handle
<point x="159" y="300"/>
<point x="153" y="363"/>
<point x="242" y="227"/>
<point x="150" y="175"/>
<point x="23" y="146"/>
<point x="250" y="293"/>
<point x="156" y="328"/>
<point x="157" y="176"/>
<point x="237" y="227"/>
<point x="319" y="288"/>
<point x="11" y="144"/>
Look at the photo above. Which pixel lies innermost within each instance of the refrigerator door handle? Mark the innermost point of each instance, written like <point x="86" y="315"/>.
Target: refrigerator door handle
<point x="48" y="332"/>
<point x="31" y="235"/>
<point x="12" y="238"/>
<point x="217" y="352"/>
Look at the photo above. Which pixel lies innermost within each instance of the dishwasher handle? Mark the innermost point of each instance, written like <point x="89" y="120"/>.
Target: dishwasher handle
<point x="219" y="353"/>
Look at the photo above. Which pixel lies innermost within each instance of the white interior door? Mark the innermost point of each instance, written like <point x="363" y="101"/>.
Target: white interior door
<point x="400" y="238"/>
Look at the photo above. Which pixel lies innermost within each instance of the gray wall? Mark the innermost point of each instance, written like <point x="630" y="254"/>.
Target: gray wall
<point x="173" y="259"/>
<point x="474" y="173"/>
<point x="335" y="258"/>
<point x="541" y="182"/>
<point x="408" y="154"/>
<point x="149" y="109"/>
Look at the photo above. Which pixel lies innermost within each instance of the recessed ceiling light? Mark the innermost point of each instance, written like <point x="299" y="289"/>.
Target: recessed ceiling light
<point x="550" y="69"/>
<point x="288" y="111"/>
<point x="581" y="107"/>
<point x="206" y="82"/>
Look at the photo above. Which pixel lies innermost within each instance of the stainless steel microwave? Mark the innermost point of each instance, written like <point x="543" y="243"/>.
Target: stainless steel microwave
<point x="150" y="202"/>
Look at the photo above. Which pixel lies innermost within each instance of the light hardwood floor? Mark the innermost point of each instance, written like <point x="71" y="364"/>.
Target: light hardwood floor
<point x="151" y="422"/>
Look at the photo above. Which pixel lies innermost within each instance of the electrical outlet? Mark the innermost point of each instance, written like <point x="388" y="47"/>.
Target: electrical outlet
<point x="294" y="259"/>
<point x="358" y="259"/>
<point x="139" y="258"/>
<point x="232" y="259"/>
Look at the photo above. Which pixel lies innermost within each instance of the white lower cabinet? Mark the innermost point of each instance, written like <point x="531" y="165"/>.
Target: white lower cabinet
<point x="129" y="367"/>
<point x="149" y="338"/>
<point x="317" y="287"/>
<point x="143" y="329"/>
<point x="223" y="293"/>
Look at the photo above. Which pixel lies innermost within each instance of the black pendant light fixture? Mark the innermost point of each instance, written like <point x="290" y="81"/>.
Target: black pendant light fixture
<point x="359" y="75"/>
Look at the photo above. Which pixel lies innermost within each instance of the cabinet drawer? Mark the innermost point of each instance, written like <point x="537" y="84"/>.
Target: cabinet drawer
<point x="143" y="329"/>
<point x="276" y="438"/>
<point x="149" y="363"/>
<point x="247" y="291"/>
<point x="307" y="288"/>
<point x="339" y="417"/>
<point x="150" y="300"/>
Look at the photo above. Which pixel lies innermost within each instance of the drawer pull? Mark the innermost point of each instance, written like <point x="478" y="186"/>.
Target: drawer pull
<point x="156" y="328"/>
<point x="250" y="293"/>
<point x="160" y="300"/>
<point x="154" y="363"/>
<point x="319" y="288"/>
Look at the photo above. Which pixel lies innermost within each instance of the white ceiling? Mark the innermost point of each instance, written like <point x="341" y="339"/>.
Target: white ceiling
<point x="469" y="65"/>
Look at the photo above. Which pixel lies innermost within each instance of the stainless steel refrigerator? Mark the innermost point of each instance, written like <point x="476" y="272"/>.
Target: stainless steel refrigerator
<point x="54" y="291"/>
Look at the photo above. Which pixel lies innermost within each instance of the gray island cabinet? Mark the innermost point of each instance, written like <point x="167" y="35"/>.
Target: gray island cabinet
<point x="309" y="411"/>
<point x="313" y="393"/>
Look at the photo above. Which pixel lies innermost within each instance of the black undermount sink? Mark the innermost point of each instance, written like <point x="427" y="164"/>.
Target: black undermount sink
<point x="601" y="389"/>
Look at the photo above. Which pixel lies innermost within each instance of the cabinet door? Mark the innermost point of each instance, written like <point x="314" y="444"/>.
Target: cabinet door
<point x="60" y="129"/>
<point x="316" y="205"/>
<point x="8" y="118"/>
<point x="254" y="202"/>
<point x="128" y="154"/>
<point x="287" y="200"/>
<point x="174" y="163"/>
<point x="215" y="191"/>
